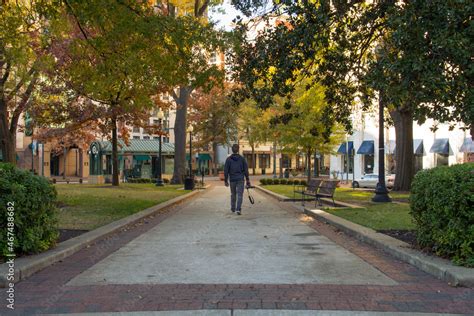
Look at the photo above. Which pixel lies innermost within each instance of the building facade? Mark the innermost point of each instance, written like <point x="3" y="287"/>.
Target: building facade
<point x="358" y="155"/>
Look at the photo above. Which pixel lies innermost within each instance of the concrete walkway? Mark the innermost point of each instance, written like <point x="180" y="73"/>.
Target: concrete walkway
<point x="207" y="244"/>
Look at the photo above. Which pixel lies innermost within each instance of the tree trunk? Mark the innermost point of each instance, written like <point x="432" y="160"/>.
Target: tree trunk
<point x="180" y="135"/>
<point x="253" y="158"/>
<point x="115" y="162"/>
<point x="403" y="121"/>
<point x="214" y="158"/>
<point x="308" y="161"/>
<point x="7" y="139"/>
<point x="8" y="127"/>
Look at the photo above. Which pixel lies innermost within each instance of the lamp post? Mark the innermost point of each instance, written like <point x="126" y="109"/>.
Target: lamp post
<point x="381" y="192"/>
<point x="190" y="131"/>
<point x="159" y="180"/>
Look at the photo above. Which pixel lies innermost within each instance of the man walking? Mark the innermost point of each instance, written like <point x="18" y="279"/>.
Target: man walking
<point x="235" y="169"/>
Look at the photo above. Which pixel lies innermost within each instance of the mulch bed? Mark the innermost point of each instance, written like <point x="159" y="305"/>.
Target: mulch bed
<point x="408" y="236"/>
<point x="65" y="234"/>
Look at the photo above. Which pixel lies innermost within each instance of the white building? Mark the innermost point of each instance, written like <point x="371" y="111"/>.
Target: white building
<point x="431" y="148"/>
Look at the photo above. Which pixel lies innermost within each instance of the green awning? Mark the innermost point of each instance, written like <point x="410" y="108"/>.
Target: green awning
<point x="205" y="157"/>
<point x="141" y="157"/>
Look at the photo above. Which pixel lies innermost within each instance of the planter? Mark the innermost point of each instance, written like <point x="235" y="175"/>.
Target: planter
<point x="221" y="175"/>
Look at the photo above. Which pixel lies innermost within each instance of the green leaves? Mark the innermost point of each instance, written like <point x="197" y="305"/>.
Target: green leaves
<point x="442" y="204"/>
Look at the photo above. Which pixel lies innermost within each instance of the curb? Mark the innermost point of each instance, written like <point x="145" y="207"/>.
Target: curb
<point x="283" y="198"/>
<point x="438" y="267"/>
<point x="26" y="266"/>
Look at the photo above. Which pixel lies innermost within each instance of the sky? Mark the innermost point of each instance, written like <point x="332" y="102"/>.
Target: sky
<point x="224" y="20"/>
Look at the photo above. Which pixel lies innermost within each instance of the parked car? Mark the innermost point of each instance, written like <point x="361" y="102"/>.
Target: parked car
<point x="370" y="180"/>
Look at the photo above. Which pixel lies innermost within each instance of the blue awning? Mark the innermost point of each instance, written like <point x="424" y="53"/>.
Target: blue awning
<point x="418" y="147"/>
<point x="342" y="148"/>
<point x="467" y="146"/>
<point x="440" y="146"/>
<point x="366" y="148"/>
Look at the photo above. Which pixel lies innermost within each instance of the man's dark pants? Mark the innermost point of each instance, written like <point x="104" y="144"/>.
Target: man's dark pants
<point x="237" y="193"/>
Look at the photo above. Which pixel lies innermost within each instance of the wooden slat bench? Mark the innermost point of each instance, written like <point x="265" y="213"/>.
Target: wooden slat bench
<point x="310" y="190"/>
<point x="326" y="190"/>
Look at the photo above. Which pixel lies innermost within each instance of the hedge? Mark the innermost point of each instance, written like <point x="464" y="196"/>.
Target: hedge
<point x="34" y="211"/>
<point x="268" y="181"/>
<point x="442" y="206"/>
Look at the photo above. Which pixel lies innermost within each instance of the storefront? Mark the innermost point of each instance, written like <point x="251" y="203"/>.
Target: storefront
<point x="138" y="159"/>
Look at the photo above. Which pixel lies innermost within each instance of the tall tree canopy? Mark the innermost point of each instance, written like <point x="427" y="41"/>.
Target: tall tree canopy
<point x="418" y="53"/>
<point x="24" y="53"/>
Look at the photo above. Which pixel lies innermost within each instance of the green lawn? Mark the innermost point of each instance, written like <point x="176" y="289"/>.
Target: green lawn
<point x="87" y="207"/>
<point x="374" y="215"/>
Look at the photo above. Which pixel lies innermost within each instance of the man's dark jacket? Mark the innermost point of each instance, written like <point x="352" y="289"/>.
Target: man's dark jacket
<point x="236" y="168"/>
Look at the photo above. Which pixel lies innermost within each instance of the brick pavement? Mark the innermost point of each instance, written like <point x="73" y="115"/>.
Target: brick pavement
<point x="47" y="292"/>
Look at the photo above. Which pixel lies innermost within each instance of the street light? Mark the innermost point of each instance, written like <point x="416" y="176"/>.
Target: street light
<point x="159" y="180"/>
<point x="381" y="192"/>
<point x="190" y="131"/>
<point x="189" y="181"/>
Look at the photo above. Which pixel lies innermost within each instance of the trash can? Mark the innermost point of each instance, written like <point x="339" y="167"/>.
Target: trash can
<point x="287" y="173"/>
<point x="188" y="183"/>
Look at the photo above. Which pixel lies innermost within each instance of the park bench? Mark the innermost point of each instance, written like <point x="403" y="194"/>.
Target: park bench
<point x="310" y="190"/>
<point x="326" y="190"/>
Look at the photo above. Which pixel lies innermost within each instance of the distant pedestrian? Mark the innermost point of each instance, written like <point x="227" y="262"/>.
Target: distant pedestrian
<point x="235" y="171"/>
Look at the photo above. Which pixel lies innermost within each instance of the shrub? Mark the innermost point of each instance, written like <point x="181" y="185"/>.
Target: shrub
<point x="283" y="181"/>
<point x="35" y="213"/>
<point x="166" y="180"/>
<point x="276" y="181"/>
<point x="290" y="181"/>
<point x="263" y="181"/>
<point x="303" y="182"/>
<point x="296" y="182"/>
<point x="442" y="206"/>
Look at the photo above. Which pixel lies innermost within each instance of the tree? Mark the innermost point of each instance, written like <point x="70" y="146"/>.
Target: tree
<point x="421" y="64"/>
<point x="254" y="125"/>
<point x="193" y="72"/>
<point x="214" y="117"/>
<point x="24" y="52"/>
<point x="117" y="54"/>
<point x="300" y="126"/>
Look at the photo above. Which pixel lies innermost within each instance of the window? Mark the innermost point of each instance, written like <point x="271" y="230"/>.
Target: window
<point x="213" y="58"/>
<point x="418" y="162"/>
<point x="286" y="161"/>
<point x="368" y="163"/>
<point x="264" y="161"/>
<point x="136" y="137"/>
<point x="136" y="129"/>
<point x="166" y="139"/>
<point x="165" y="97"/>
<point x="442" y="160"/>
<point x="344" y="163"/>
<point x="250" y="160"/>
<point x="146" y="137"/>
<point x="156" y="122"/>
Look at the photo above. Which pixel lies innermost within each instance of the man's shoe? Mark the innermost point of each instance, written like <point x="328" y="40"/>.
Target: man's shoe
<point x="233" y="211"/>
<point x="239" y="212"/>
